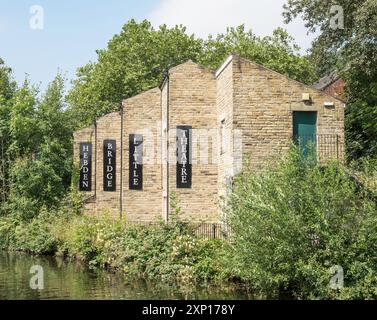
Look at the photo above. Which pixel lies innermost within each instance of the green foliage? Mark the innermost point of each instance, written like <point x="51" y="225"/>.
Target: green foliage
<point x="365" y="170"/>
<point x="289" y="225"/>
<point x="154" y="252"/>
<point x="163" y="252"/>
<point x="136" y="59"/>
<point x="353" y="52"/>
<point x="361" y="133"/>
<point x="23" y="124"/>
<point x="294" y="222"/>
<point x="7" y="90"/>
<point x="34" y="184"/>
<point x="33" y="236"/>
<point x="37" y="155"/>
<point x="7" y="85"/>
<point x="278" y="52"/>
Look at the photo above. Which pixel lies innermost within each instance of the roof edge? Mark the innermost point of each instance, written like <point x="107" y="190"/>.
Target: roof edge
<point x="139" y="94"/>
<point x="224" y="65"/>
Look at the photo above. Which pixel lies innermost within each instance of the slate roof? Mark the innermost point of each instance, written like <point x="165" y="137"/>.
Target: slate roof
<point x="326" y="81"/>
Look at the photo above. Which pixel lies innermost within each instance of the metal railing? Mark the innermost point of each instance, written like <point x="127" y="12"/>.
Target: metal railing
<point x="327" y="146"/>
<point x="206" y="230"/>
<point x="210" y="230"/>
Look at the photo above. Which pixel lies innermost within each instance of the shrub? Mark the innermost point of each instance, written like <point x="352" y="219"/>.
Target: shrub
<point x="292" y="223"/>
<point x="365" y="169"/>
<point x="159" y="252"/>
<point x="33" y="236"/>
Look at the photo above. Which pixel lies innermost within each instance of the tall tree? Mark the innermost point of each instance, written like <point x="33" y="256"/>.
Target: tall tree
<point x="348" y="41"/>
<point x="41" y="147"/>
<point x="278" y="52"/>
<point x="7" y="89"/>
<point x="133" y="61"/>
<point x="136" y="59"/>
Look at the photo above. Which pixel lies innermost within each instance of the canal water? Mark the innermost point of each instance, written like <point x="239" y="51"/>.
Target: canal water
<point x="73" y="280"/>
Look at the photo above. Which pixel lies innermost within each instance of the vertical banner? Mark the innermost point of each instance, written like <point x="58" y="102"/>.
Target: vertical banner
<point x="85" y="183"/>
<point x="109" y="165"/>
<point x="136" y="161"/>
<point x="184" y="161"/>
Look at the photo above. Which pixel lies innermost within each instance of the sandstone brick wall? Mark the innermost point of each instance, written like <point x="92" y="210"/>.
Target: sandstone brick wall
<point x="142" y="115"/>
<point x="192" y="101"/>
<point x="264" y="102"/>
<point x="224" y="99"/>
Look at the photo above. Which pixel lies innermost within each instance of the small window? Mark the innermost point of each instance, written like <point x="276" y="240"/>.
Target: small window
<point x="222" y="136"/>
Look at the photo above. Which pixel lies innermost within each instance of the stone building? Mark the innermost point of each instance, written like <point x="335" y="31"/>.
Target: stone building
<point x="192" y="134"/>
<point x="331" y="84"/>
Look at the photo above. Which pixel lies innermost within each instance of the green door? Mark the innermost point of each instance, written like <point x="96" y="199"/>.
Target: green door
<point x="305" y="131"/>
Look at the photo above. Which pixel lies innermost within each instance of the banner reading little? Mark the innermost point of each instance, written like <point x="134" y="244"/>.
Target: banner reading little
<point x="136" y="161"/>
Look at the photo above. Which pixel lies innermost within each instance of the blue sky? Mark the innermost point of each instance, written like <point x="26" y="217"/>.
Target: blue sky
<point x="73" y="30"/>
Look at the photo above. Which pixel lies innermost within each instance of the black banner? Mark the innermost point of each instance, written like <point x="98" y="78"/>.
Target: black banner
<point x="109" y="165"/>
<point x="184" y="161"/>
<point x="85" y="183"/>
<point x="136" y="161"/>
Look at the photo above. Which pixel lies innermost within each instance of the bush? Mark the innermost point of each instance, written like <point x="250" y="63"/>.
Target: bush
<point x="365" y="169"/>
<point x="292" y="223"/>
<point x="159" y="252"/>
<point x="33" y="236"/>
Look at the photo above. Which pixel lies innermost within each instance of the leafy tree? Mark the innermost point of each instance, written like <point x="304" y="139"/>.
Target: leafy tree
<point x="56" y="130"/>
<point x="136" y="59"/>
<point x="7" y="84"/>
<point x="278" y="52"/>
<point x="7" y="89"/>
<point x="41" y="147"/>
<point x="23" y="123"/>
<point x="353" y="51"/>
<point x="294" y="222"/>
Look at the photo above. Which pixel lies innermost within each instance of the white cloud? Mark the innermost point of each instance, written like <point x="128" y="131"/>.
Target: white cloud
<point x="204" y="17"/>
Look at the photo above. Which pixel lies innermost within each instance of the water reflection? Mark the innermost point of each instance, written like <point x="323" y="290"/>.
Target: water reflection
<point x="73" y="280"/>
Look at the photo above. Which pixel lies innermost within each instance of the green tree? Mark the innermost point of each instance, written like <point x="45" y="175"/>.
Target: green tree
<point x="7" y="84"/>
<point x="42" y="149"/>
<point x="294" y="222"/>
<point x="7" y="90"/>
<point x="278" y="52"/>
<point x="23" y="123"/>
<point x="136" y="59"/>
<point x="353" y="51"/>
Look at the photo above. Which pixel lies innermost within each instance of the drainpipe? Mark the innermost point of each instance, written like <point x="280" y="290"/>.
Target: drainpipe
<point x="121" y="162"/>
<point x="95" y="156"/>
<point x="165" y="143"/>
<point x="167" y="146"/>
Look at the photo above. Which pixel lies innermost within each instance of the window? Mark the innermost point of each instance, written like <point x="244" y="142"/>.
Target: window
<point x="222" y="136"/>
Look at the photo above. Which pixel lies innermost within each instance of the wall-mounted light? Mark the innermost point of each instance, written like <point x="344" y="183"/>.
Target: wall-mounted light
<point x="306" y="97"/>
<point x="329" y="104"/>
